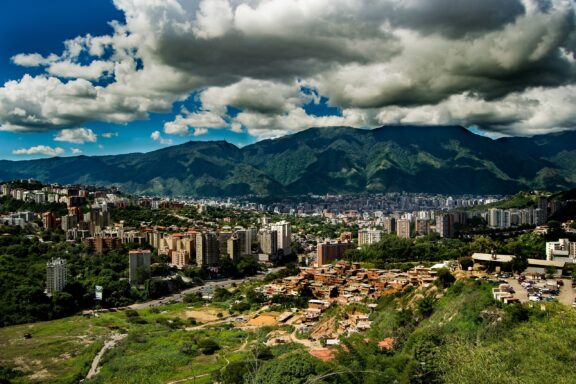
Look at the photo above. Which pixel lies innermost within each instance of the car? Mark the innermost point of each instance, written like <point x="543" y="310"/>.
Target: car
<point x="534" y="298"/>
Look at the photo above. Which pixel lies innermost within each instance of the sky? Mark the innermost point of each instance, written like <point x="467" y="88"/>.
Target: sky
<point x="98" y="77"/>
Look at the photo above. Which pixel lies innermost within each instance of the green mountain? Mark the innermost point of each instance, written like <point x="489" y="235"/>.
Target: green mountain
<point x="436" y="159"/>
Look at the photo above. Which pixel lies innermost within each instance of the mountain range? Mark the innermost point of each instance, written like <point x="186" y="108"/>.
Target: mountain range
<point x="434" y="159"/>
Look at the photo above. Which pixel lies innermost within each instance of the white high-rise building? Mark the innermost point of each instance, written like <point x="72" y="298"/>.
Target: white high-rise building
<point x="283" y="228"/>
<point x="369" y="236"/>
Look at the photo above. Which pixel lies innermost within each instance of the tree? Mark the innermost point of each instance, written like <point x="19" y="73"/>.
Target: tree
<point x="550" y="272"/>
<point x="208" y="346"/>
<point x="247" y="266"/>
<point x="142" y="274"/>
<point x="518" y="264"/>
<point x="295" y="369"/>
<point x="466" y="262"/>
<point x="233" y="373"/>
<point x="426" y="306"/>
<point x="444" y="278"/>
<point x="221" y="294"/>
<point x="228" y="268"/>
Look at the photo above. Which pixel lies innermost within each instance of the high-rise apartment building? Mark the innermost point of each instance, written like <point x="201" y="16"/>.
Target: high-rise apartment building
<point x="180" y="258"/>
<point x="445" y="225"/>
<point x="138" y="259"/>
<point x="233" y="248"/>
<point x="48" y="221"/>
<point x="207" y="249"/>
<point x="283" y="228"/>
<point x="56" y="275"/>
<point x="403" y="228"/>
<point x="223" y="241"/>
<point x="422" y="227"/>
<point x="328" y="252"/>
<point x="268" y="241"/>
<point x="542" y="204"/>
<point x="245" y="239"/>
<point x="389" y="225"/>
<point x="368" y="236"/>
<point x="69" y="222"/>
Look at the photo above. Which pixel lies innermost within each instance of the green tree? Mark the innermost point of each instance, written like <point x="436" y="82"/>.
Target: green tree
<point x="444" y="278"/>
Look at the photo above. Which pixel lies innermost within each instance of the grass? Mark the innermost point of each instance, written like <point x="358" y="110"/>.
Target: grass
<point x="540" y="350"/>
<point x="155" y="353"/>
<point x="59" y="351"/>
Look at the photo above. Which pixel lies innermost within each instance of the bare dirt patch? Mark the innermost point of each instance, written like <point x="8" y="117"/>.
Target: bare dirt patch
<point x="263" y="320"/>
<point x="205" y="315"/>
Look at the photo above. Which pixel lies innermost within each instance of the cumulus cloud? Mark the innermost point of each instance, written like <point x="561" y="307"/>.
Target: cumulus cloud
<point x="33" y="59"/>
<point x="77" y="136"/>
<point x="93" y="71"/>
<point x="109" y="135"/>
<point x="536" y="111"/>
<point x="196" y="123"/>
<point x="507" y="66"/>
<point x="156" y="136"/>
<point x="76" y="151"/>
<point x="39" y="150"/>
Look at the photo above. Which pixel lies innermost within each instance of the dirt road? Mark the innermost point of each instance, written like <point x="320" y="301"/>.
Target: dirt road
<point x="115" y="338"/>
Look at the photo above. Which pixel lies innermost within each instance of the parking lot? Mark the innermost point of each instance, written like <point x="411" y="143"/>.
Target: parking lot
<point x="565" y="296"/>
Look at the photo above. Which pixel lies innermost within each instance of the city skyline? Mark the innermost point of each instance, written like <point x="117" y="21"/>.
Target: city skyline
<point x="121" y="76"/>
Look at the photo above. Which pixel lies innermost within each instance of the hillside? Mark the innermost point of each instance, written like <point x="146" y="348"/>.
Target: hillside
<point x="458" y="335"/>
<point x="434" y="159"/>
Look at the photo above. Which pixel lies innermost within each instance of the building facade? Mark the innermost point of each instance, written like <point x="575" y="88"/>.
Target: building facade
<point x="56" y="275"/>
<point x="138" y="259"/>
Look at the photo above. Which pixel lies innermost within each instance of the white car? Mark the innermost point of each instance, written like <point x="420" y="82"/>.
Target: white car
<point x="534" y="298"/>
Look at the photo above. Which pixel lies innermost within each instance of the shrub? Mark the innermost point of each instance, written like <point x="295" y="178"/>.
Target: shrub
<point x="208" y="346"/>
<point x="131" y="313"/>
<point x="444" y="278"/>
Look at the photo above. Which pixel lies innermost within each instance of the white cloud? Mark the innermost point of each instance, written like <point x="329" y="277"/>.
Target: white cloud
<point x="33" y="59"/>
<point x="254" y="95"/>
<point x="93" y="71"/>
<point x="199" y="122"/>
<point x="76" y="151"/>
<point x="77" y="136"/>
<point x="378" y="61"/>
<point x="214" y="18"/>
<point x="109" y="135"/>
<point x="39" y="150"/>
<point x="156" y="136"/>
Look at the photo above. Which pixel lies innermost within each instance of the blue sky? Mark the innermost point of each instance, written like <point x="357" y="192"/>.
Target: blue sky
<point x="100" y="77"/>
<point x="29" y="26"/>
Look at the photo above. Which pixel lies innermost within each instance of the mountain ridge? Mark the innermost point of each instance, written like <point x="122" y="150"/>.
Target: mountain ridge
<point x="437" y="159"/>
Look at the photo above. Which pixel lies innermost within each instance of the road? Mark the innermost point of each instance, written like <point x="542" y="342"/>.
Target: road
<point x="177" y="297"/>
<point x="109" y="344"/>
<point x="566" y="295"/>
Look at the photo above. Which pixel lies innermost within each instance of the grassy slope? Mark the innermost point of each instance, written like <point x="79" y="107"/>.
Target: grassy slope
<point x="59" y="351"/>
<point x="62" y="350"/>
<point x="467" y="339"/>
